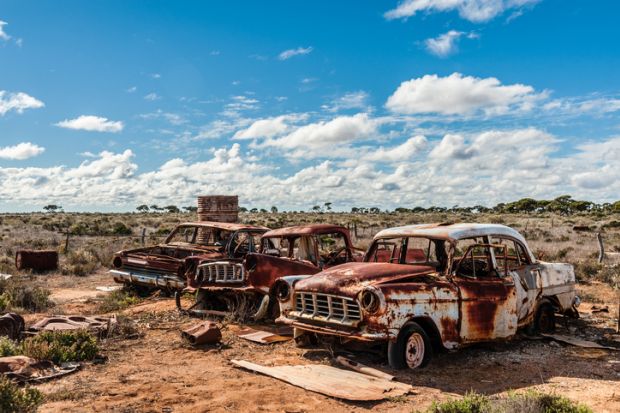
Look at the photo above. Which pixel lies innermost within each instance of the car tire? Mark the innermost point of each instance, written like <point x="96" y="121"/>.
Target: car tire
<point x="544" y="320"/>
<point x="412" y="348"/>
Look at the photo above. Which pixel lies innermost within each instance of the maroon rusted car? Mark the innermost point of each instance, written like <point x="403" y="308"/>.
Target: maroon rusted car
<point x="245" y="284"/>
<point x="167" y="265"/>
<point x="433" y="285"/>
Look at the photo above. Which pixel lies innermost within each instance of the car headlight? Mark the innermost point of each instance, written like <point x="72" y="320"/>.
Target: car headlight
<point x="371" y="300"/>
<point x="283" y="291"/>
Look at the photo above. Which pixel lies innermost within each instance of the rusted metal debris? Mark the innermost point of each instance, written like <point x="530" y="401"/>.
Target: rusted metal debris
<point x="203" y="333"/>
<point x="332" y="381"/>
<point x="167" y="265"/>
<point x="11" y="325"/>
<point x="26" y="369"/>
<point x="359" y="367"/>
<point x="36" y="260"/>
<point x="98" y="325"/>
<point x="453" y="284"/>
<point x="578" y="342"/>
<point x="250" y="283"/>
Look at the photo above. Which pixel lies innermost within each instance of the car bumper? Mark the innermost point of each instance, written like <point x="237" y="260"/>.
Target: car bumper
<point x="148" y="279"/>
<point x="350" y="334"/>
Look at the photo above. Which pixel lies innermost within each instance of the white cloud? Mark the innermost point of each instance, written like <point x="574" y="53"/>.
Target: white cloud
<point x="132" y="89"/>
<point x="287" y="54"/>
<point x="18" y="102"/>
<point x="498" y="166"/>
<point x="152" y="96"/>
<point x="461" y="95"/>
<point x="325" y="138"/>
<point x="352" y="100"/>
<point x="172" y="118"/>
<point x="91" y="123"/>
<point x="155" y="75"/>
<point x="268" y="128"/>
<point x="473" y="10"/>
<point x="3" y="35"/>
<point x="21" y="151"/>
<point x="446" y="44"/>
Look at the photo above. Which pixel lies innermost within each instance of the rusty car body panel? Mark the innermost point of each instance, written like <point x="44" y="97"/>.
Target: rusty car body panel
<point x="166" y="265"/>
<point x="372" y="301"/>
<point x="284" y="251"/>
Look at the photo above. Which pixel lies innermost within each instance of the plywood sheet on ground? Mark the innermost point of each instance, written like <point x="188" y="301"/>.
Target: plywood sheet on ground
<point x="331" y="381"/>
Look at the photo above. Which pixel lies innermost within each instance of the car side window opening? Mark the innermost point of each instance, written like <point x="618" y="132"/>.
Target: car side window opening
<point x="303" y="249"/>
<point x="332" y="248"/>
<point x="476" y="258"/>
<point x="183" y="234"/>
<point x="410" y="250"/>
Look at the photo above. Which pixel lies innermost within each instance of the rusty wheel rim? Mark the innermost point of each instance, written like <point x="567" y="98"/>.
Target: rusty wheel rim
<point x="414" y="351"/>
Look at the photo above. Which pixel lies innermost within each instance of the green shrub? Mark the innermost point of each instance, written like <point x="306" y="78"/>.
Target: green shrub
<point x="80" y="262"/>
<point x="9" y="348"/>
<point x="530" y="402"/>
<point x="61" y="346"/>
<point x="118" y="300"/>
<point x="121" y="229"/>
<point x="17" y="295"/>
<point x="14" y="399"/>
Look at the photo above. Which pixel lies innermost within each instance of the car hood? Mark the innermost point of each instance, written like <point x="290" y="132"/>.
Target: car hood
<point x="350" y="278"/>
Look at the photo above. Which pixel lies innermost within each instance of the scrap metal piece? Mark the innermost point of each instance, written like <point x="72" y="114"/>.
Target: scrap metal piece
<point x="12" y="325"/>
<point x="203" y="333"/>
<point x="73" y="322"/>
<point x="262" y="337"/>
<point x="26" y="369"/>
<point x="575" y="341"/>
<point x="359" y="367"/>
<point x="36" y="260"/>
<point x="332" y="381"/>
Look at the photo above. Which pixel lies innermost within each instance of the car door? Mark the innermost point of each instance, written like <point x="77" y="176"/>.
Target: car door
<point x="487" y="300"/>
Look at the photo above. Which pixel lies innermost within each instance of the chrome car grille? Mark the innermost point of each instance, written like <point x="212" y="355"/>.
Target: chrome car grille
<point x="221" y="272"/>
<point x="326" y="307"/>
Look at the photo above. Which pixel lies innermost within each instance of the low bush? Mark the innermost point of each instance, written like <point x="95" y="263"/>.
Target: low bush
<point x="9" y="348"/>
<point x="61" y="346"/>
<point x="80" y="262"/>
<point x="118" y="300"/>
<point x="15" y="399"/>
<point x="530" y="401"/>
<point x="18" y="295"/>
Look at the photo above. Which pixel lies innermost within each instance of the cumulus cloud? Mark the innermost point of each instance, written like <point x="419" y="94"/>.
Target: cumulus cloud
<point x="325" y="137"/>
<point x="270" y="127"/>
<point x="3" y="35"/>
<point x="476" y="11"/>
<point x="300" y="51"/>
<point x="446" y="44"/>
<point x="485" y="167"/>
<point x="21" y="151"/>
<point x="461" y="95"/>
<point x="18" y="102"/>
<point x="351" y="100"/>
<point x="152" y="97"/>
<point x="92" y="124"/>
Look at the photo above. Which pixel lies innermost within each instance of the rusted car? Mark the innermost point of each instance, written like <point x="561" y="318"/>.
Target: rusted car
<point x="167" y="265"/>
<point x="423" y="287"/>
<point x="246" y="284"/>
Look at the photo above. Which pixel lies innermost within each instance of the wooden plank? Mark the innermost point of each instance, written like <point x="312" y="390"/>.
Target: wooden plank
<point x="575" y="341"/>
<point x="331" y="381"/>
<point x="359" y="367"/>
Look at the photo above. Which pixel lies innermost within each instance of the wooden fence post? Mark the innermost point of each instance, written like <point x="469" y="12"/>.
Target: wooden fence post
<point x="67" y="241"/>
<point x="143" y="235"/>
<point x="601" y="248"/>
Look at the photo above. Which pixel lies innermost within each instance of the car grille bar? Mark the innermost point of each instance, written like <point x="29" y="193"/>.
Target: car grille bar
<point x="221" y="272"/>
<point x="327" y="307"/>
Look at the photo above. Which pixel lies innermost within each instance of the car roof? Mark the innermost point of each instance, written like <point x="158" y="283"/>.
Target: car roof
<point x="449" y="231"/>
<point x="228" y="226"/>
<point x="304" y="230"/>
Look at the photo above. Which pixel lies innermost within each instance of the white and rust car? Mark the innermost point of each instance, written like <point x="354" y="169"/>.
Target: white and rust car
<point x="428" y="286"/>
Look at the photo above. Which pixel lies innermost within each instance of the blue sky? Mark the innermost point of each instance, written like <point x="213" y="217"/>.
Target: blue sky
<point x="105" y="105"/>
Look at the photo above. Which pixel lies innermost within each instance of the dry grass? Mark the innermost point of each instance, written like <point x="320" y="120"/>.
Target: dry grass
<point x="95" y="237"/>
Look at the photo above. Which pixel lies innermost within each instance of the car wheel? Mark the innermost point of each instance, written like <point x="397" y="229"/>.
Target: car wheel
<point x="544" y="322"/>
<point x="412" y="348"/>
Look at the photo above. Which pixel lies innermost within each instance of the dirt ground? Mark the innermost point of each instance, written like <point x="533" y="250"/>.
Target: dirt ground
<point x="160" y="373"/>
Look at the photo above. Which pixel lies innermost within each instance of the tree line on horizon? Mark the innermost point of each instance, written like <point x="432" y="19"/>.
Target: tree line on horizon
<point x="563" y="205"/>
